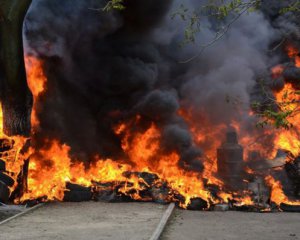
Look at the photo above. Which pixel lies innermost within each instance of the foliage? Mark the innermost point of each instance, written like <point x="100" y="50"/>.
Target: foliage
<point x="192" y="19"/>
<point x="279" y="112"/>
<point x="278" y="119"/>
<point x="114" y="5"/>
<point x="294" y="7"/>
<point x="218" y="9"/>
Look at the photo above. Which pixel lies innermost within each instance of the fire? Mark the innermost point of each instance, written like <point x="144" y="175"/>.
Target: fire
<point x="297" y="61"/>
<point x="49" y="170"/>
<point x="293" y="53"/>
<point x="277" y="71"/>
<point x="36" y="82"/>
<point x="144" y="152"/>
<point x="35" y="76"/>
<point x="52" y="166"/>
<point x="246" y="200"/>
<point x="209" y="139"/>
<point x="288" y="101"/>
<point x="277" y="194"/>
<point x="143" y="147"/>
<point x="13" y="159"/>
<point x="1" y="121"/>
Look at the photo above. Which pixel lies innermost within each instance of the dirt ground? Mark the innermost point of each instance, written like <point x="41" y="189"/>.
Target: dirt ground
<point x="194" y="225"/>
<point x="85" y="221"/>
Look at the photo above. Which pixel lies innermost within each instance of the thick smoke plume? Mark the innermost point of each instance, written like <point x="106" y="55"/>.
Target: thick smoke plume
<point x="104" y="68"/>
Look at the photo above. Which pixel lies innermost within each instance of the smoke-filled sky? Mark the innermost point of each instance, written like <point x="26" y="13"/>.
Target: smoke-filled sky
<point x="103" y="68"/>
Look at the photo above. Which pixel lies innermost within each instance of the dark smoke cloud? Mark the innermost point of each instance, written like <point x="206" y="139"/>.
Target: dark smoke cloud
<point x="159" y="106"/>
<point x="103" y="68"/>
<point x="99" y="64"/>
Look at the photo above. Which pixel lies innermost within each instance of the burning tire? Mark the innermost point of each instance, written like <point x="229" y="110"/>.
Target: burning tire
<point x="6" y="179"/>
<point x="6" y="144"/>
<point x="2" y="165"/>
<point x="4" y="192"/>
<point x="77" y="196"/>
<point x="77" y="188"/>
<point x="289" y="208"/>
<point x="197" y="204"/>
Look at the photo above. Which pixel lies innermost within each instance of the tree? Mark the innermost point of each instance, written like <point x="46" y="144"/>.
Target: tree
<point x="16" y="98"/>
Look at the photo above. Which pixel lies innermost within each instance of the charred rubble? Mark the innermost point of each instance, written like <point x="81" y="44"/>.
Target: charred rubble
<point x="231" y="169"/>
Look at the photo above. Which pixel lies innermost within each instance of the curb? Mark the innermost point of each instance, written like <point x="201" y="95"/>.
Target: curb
<point x="22" y="213"/>
<point x="163" y="222"/>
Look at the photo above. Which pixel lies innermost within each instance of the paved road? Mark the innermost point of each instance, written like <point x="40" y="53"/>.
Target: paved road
<point x="7" y="211"/>
<point x="85" y="221"/>
<point x="137" y="221"/>
<point x="192" y="225"/>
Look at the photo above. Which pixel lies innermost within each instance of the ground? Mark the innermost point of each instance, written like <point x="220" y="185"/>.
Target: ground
<point x="137" y="221"/>
<point x="88" y="220"/>
<point x="7" y="211"/>
<point x="193" y="225"/>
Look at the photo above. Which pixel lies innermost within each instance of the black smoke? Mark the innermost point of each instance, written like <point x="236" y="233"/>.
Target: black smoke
<point x="107" y="67"/>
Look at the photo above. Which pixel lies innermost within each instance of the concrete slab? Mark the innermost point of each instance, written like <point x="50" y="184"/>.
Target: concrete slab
<point x="193" y="225"/>
<point x="86" y="221"/>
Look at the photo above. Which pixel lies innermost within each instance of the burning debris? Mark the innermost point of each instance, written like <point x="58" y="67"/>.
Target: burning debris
<point x="116" y="118"/>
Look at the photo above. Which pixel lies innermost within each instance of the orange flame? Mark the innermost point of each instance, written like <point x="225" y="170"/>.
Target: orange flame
<point x="277" y="71"/>
<point x="13" y="160"/>
<point x="277" y="194"/>
<point x="1" y="121"/>
<point x="289" y="139"/>
<point x="293" y="53"/>
<point x="36" y="82"/>
<point x="52" y="166"/>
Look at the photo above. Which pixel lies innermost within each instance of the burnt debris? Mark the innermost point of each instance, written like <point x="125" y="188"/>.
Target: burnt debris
<point x="4" y="192"/>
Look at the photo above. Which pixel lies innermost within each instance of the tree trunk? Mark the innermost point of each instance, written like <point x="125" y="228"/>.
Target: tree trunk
<point x="15" y="95"/>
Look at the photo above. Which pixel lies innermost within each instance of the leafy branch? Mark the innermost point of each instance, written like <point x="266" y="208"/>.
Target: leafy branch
<point x="114" y="5"/>
<point x="220" y="10"/>
<point x="294" y="7"/>
<point x="278" y="112"/>
<point x="111" y="5"/>
<point x="217" y="9"/>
